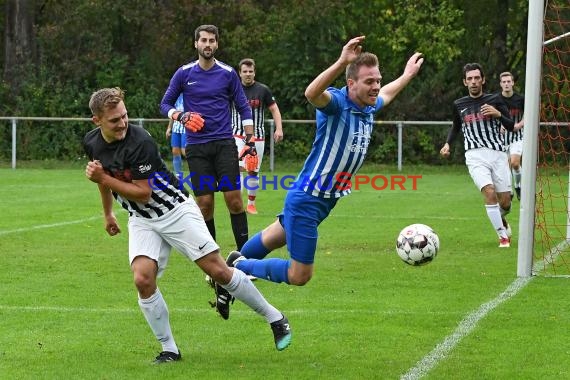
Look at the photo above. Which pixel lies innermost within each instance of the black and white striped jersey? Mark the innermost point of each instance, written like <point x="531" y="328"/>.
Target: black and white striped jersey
<point x="515" y="104"/>
<point x="259" y="97"/>
<point x="136" y="157"/>
<point x="480" y="131"/>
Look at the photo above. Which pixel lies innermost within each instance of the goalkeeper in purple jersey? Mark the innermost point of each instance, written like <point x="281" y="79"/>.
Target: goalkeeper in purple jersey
<point x="345" y="119"/>
<point x="480" y="116"/>
<point x="209" y="88"/>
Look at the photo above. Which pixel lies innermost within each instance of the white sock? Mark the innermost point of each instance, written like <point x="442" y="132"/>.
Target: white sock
<point x="241" y="287"/>
<point x="494" y="214"/>
<point x="155" y="311"/>
<point x="253" y="186"/>
<point x="241" y="181"/>
<point x="517" y="177"/>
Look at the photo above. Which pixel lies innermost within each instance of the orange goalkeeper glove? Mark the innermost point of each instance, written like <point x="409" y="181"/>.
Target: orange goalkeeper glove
<point x="251" y="162"/>
<point x="248" y="149"/>
<point x="192" y="121"/>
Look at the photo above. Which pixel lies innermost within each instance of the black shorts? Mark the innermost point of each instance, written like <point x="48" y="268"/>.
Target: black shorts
<point x="213" y="166"/>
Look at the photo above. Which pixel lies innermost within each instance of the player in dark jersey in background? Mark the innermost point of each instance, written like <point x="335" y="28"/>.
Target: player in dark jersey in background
<point x="260" y="99"/>
<point x="514" y="139"/>
<point x="209" y="87"/>
<point x="479" y="116"/>
<point x="126" y="165"/>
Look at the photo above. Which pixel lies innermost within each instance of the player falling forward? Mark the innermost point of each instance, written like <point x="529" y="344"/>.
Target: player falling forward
<point x="344" y="125"/>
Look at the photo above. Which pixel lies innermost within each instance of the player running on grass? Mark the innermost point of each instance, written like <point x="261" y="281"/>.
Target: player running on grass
<point x="514" y="139"/>
<point x="123" y="161"/>
<point x="260" y="98"/>
<point x="480" y="116"/>
<point x="344" y="126"/>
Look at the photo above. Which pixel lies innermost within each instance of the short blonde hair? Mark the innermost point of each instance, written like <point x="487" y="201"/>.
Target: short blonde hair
<point x="105" y="98"/>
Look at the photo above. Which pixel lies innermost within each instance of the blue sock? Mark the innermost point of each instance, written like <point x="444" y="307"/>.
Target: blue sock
<point x="177" y="163"/>
<point x="254" y="248"/>
<point x="274" y="270"/>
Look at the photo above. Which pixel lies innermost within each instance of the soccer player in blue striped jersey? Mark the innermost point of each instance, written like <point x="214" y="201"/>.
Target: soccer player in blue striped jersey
<point x="177" y="134"/>
<point x="480" y="116"/>
<point x="344" y="125"/>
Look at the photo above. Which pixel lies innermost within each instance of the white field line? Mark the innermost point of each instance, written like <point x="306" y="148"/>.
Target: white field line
<point x="42" y="226"/>
<point x="468" y="324"/>
<point x="391" y="217"/>
<point x="205" y="309"/>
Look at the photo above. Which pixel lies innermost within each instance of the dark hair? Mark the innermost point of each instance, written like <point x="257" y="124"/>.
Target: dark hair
<point x="473" y="66"/>
<point x="364" y="59"/>
<point x="105" y="98"/>
<point x="206" y="28"/>
<point x="247" y="62"/>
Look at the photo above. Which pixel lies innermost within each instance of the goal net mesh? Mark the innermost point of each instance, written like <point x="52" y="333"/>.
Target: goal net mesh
<point x="552" y="212"/>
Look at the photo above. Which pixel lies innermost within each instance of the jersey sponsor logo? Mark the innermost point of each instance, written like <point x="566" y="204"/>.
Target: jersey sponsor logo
<point x="254" y="103"/>
<point x="191" y="83"/>
<point x="144" y="168"/>
<point x="475" y="117"/>
<point x="361" y="138"/>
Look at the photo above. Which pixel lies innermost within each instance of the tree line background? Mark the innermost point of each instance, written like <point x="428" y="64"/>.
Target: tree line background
<point x="56" y="53"/>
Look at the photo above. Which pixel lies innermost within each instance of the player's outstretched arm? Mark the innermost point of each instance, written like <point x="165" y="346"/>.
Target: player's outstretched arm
<point x="389" y="91"/>
<point x="316" y="92"/>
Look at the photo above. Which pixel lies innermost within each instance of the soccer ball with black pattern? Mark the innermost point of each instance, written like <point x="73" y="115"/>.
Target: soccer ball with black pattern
<point x="417" y="244"/>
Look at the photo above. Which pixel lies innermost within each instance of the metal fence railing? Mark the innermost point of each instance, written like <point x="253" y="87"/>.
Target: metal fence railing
<point x="400" y="125"/>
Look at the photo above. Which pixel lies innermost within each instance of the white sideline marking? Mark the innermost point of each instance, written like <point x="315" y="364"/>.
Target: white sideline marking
<point x="468" y="324"/>
<point x="205" y="309"/>
<point x="41" y="226"/>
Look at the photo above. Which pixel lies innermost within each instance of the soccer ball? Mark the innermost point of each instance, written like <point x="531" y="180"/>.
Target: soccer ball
<point x="417" y="244"/>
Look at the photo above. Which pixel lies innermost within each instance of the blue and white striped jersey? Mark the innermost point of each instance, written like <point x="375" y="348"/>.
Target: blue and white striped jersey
<point x="340" y="145"/>
<point x="177" y="126"/>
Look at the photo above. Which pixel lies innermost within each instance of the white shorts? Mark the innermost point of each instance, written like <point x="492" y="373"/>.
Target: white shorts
<point x="489" y="167"/>
<point x="183" y="228"/>
<point x="259" y="146"/>
<point x="516" y="148"/>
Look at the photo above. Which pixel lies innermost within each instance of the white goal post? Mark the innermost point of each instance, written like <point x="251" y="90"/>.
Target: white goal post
<point x="533" y="77"/>
<point x="535" y="58"/>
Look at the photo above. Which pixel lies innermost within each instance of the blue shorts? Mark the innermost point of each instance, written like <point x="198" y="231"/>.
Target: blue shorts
<point x="178" y="140"/>
<point x="300" y="218"/>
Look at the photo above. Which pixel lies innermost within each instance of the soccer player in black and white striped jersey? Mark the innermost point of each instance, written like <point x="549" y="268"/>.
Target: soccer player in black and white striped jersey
<point x="514" y="139"/>
<point x="480" y="116"/>
<point x="125" y="163"/>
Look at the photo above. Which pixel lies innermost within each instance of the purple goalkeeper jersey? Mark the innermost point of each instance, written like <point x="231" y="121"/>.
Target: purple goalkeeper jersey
<point x="210" y="93"/>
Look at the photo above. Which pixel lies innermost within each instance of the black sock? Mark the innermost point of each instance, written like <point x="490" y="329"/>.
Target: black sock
<point x="211" y="227"/>
<point x="239" y="227"/>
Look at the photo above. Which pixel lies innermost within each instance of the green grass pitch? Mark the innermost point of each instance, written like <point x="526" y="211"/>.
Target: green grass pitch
<point x="68" y="307"/>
